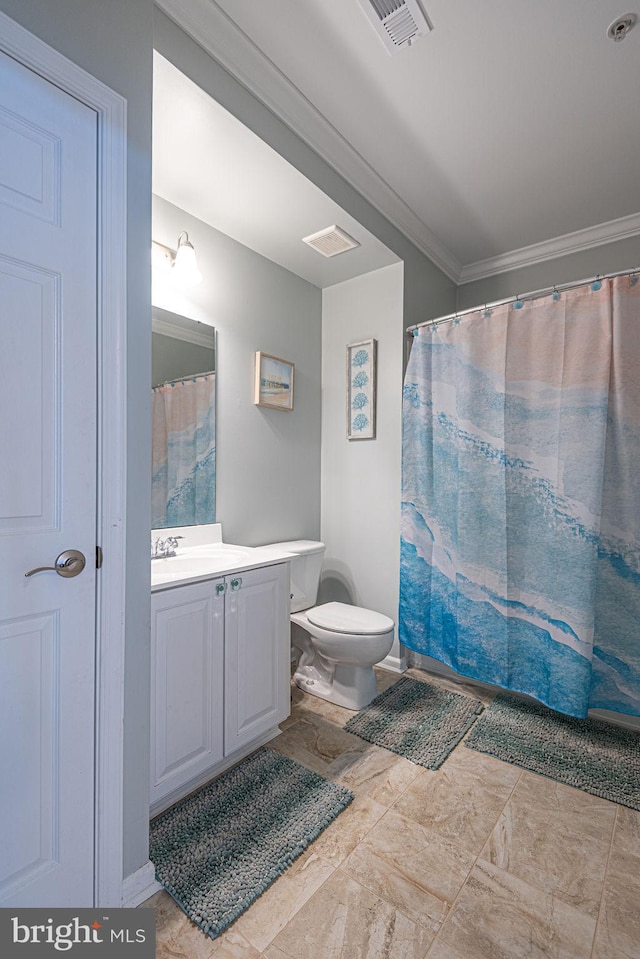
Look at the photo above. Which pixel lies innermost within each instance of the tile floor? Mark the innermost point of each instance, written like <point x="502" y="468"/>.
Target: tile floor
<point x="477" y="860"/>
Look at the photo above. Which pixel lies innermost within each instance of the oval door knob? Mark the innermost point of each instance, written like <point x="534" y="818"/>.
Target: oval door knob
<point x="69" y="563"/>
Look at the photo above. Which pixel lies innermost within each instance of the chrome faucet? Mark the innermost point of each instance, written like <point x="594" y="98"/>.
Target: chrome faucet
<point x="164" y="548"/>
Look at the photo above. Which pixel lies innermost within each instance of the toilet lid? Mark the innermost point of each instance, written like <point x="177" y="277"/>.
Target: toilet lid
<point x="341" y="618"/>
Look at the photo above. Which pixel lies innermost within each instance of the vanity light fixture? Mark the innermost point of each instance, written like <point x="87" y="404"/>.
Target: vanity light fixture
<point x="182" y="262"/>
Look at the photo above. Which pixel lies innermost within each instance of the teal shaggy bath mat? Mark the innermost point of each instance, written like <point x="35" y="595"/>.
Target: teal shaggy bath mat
<point x="591" y="755"/>
<point x="417" y="720"/>
<point x="220" y="848"/>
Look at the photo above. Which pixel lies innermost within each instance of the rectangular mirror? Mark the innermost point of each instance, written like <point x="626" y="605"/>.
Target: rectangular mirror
<point x="183" y="421"/>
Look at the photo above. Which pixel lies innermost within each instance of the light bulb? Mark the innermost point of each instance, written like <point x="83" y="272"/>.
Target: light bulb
<point x="186" y="266"/>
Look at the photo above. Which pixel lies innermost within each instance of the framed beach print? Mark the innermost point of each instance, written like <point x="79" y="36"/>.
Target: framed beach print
<point x="274" y="382"/>
<point x="361" y="390"/>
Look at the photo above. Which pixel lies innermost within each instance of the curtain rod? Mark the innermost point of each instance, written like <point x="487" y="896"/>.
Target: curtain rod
<point x="184" y="379"/>
<point x="520" y="298"/>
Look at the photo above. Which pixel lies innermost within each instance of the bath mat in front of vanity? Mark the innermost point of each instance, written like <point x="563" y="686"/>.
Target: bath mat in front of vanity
<point x="221" y="847"/>
<point x="417" y="720"/>
<point x="597" y="757"/>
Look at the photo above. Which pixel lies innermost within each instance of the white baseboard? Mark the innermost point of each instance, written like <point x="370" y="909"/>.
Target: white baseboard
<point x="394" y="664"/>
<point x="140" y="886"/>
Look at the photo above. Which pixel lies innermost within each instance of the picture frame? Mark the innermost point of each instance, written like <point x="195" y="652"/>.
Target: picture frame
<point x="361" y="389"/>
<point x="274" y="382"/>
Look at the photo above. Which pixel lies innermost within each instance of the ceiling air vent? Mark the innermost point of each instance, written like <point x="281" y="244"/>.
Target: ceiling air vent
<point x="397" y="22"/>
<point x="331" y="241"/>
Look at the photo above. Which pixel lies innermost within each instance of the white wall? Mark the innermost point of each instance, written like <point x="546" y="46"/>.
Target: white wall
<point x="361" y="478"/>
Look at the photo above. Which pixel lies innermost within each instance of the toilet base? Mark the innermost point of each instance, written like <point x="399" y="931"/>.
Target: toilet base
<point x="350" y="686"/>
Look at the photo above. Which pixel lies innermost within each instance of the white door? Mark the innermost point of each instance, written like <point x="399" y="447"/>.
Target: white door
<point x="48" y="195"/>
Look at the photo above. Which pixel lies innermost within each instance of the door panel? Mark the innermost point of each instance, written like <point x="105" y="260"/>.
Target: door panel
<point x="29" y="656"/>
<point x="257" y="681"/>
<point x="48" y="247"/>
<point x="29" y="495"/>
<point x="187" y="663"/>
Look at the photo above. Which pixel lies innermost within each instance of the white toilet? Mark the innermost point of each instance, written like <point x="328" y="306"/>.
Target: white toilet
<point x="339" y="643"/>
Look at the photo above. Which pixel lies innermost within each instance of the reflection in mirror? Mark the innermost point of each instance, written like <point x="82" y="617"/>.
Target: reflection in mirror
<point x="184" y="421"/>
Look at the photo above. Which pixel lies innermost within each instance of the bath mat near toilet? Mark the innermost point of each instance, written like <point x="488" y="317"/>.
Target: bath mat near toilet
<point x="217" y="850"/>
<point x="417" y="720"/>
<point x="591" y="755"/>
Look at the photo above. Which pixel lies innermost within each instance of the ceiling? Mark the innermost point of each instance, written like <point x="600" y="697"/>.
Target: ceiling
<point x="507" y="130"/>
<point x="210" y="165"/>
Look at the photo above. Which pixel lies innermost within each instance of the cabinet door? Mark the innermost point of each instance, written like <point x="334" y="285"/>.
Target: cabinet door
<point x="187" y="661"/>
<point x="257" y="671"/>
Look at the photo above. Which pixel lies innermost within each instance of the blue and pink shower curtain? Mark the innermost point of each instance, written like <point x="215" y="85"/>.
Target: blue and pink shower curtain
<point x="520" y="550"/>
<point x="183" y="449"/>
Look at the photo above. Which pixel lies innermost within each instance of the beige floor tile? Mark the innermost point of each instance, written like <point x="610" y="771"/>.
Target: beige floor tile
<point x="618" y="935"/>
<point x="397" y="867"/>
<point x="410" y="867"/>
<point x="626" y="835"/>
<point x="271" y="912"/>
<point x="348" y="829"/>
<point x="440" y="950"/>
<point x="464" y="689"/>
<point x="385" y="679"/>
<point x="345" y="921"/>
<point x="556" y="838"/>
<point x="374" y="772"/>
<point x="498" y="916"/>
<point x="316" y="743"/>
<point x="463" y="799"/>
<point x="178" y="938"/>
<point x="302" y="702"/>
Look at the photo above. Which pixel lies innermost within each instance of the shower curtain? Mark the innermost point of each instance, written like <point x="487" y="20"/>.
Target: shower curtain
<point x="520" y="547"/>
<point x="183" y="450"/>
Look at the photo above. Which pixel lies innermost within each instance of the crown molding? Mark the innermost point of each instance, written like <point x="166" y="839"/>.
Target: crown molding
<point x="620" y="229"/>
<point x="223" y="40"/>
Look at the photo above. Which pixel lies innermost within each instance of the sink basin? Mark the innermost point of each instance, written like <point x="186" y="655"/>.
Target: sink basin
<point x="200" y="561"/>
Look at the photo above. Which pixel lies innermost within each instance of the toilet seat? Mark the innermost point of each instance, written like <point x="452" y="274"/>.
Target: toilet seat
<point x="353" y="620"/>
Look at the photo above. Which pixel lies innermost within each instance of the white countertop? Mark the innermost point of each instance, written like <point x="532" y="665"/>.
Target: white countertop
<point x="193" y="564"/>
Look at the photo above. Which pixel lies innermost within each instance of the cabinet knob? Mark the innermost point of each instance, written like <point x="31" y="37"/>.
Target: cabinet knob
<point x="220" y="588"/>
<point x="236" y="583"/>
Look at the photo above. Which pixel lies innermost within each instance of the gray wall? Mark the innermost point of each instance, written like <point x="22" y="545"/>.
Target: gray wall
<point x="267" y="461"/>
<point x="113" y="41"/>
<point x="608" y="258"/>
<point x="172" y="358"/>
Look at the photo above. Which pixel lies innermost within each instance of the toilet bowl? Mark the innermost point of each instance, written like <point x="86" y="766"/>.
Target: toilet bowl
<point x="339" y="643"/>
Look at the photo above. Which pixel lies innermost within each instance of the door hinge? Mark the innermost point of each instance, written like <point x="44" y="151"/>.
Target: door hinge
<point x="98" y="557"/>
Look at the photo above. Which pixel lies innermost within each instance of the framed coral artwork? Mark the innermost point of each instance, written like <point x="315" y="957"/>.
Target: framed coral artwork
<point x="361" y="390"/>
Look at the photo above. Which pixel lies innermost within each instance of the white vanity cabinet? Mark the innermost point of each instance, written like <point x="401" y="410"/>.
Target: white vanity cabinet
<point x="220" y="675"/>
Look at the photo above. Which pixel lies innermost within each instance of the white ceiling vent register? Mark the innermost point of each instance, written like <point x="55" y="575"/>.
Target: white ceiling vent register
<point x="331" y="241"/>
<point x="397" y="22"/>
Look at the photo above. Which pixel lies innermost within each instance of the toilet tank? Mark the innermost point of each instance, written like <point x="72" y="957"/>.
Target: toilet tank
<point x="305" y="571"/>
